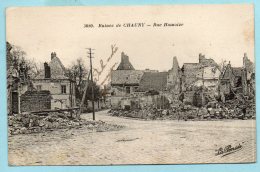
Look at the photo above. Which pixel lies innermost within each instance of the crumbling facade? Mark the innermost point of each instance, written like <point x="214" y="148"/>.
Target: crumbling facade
<point x="199" y="81"/>
<point x="205" y="73"/>
<point x="174" y="78"/>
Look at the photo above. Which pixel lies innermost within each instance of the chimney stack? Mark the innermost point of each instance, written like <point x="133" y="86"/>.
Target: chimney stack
<point x="124" y="57"/>
<point x="53" y="54"/>
<point x="201" y="58"/>
<point x="125" y="63"/>
<point x="47" y="71"/>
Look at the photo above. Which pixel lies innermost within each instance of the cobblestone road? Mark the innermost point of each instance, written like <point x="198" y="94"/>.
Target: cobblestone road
<point x="140" y="142"/>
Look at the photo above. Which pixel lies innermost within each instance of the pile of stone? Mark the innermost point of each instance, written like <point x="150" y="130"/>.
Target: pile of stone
<point x="34" y="123"/>
<point x="236" y="109"/>
<point x="214" y="110"/>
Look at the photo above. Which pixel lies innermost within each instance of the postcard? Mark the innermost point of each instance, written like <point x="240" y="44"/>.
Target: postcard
<point x="122" y="85"/>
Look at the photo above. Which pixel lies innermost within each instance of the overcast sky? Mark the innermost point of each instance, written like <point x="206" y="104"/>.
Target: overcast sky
<point x="218" y="31"/>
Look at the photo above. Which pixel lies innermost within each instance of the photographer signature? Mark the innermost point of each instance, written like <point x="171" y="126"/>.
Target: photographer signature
<point x="229" y="149"/>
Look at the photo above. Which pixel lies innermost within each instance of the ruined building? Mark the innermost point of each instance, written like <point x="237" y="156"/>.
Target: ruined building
<point x="54" y="80"/>
<point x="196" y="77"/>
<point x="205" y="73"/>
<point x="238" y="79"/>
<point x="126" y="81"/>
<point x="193" y="83"/>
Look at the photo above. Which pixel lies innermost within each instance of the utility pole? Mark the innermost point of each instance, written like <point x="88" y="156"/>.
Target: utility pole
<point x="19" y="91"/>
<point x="92" y="83"/>
<point x="202" y="96"/>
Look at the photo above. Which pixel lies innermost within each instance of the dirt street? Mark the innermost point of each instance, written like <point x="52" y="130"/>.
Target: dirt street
<point x="140" y="142"/>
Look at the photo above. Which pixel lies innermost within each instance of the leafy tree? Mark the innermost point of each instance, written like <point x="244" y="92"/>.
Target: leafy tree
<point x="97" y="92"/>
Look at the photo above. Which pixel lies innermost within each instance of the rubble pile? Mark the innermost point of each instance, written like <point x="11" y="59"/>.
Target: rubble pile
<point x="34" y="123"/>
<point x="214" y="110"/>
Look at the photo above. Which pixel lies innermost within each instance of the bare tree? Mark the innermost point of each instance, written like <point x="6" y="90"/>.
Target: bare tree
<point x="222" y="65"/>
<point x="78" y="72"/>
<point x="35" y="67"/>
<point x="25" y="68"/>
<point x="19" y="71"/>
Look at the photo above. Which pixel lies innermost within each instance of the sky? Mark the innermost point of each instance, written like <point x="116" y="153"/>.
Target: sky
<point x="220" y="32"/>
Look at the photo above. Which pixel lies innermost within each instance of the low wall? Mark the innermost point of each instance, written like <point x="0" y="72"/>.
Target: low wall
<point x="158" y="101"/>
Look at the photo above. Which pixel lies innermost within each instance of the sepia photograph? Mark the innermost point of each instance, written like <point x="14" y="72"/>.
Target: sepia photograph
<point x="131" y="85"/>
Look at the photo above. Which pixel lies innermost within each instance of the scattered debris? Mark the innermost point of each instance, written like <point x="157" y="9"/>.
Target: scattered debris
<point x="27" y="123"/>
<point x="232" y="109"/>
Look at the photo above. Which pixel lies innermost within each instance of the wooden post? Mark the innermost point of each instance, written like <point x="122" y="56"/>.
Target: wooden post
<point x="18" y="97"/>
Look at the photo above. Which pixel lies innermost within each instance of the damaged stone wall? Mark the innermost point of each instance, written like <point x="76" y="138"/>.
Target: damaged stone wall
<point x="190" y="74"/>
<point x="35" y="101"/>
<point x="174" y="78"/>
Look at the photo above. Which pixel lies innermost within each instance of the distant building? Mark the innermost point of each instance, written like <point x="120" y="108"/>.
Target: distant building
<point x="126" y="81"/>
<point x="194" y="83"/>
<point x="235" y="78"/>
<point x="53" y="79"/>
